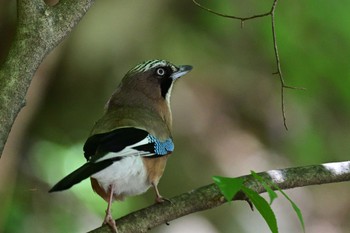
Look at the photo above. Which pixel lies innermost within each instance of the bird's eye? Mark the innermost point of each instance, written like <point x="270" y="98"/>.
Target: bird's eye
<point x="160" y="71"/>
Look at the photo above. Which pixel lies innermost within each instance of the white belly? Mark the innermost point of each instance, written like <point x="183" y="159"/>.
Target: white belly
<point x="128" y="177"/>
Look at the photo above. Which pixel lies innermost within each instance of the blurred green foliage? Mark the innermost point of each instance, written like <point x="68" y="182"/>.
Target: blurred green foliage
<point x="227" y="116"/>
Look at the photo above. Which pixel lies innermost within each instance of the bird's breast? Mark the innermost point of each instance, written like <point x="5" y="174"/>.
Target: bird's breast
<point x="128" y="177"/>
<point x="155" y="168"/>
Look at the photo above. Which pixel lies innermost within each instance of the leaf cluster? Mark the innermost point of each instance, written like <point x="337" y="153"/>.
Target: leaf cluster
<point x="230" y="187"/>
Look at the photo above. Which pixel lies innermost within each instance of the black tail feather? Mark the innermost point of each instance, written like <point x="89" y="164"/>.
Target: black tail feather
<point x="80" y="174"/>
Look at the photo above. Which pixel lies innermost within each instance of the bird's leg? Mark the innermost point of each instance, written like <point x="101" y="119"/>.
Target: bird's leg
<point x="109" y="218"/>
<point x="159" y="198"/>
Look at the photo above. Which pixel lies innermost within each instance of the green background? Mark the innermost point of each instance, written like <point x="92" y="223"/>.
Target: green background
<point x="227" y="111"/>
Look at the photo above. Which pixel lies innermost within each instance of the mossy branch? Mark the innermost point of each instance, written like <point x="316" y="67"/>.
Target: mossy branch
<point x="40" y="28"/>
<point x="209" y="196"/>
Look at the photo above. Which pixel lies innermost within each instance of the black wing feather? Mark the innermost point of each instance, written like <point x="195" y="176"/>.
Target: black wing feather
<point x="149" y="147"/>
<point x="113" y="141"/>
<point x="80" y="174"/>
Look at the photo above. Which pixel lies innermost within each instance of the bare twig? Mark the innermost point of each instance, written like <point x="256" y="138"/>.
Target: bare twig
<point x="278" y="62"/>
<point x="209" y="196"/>
<point x="231" y="16"/>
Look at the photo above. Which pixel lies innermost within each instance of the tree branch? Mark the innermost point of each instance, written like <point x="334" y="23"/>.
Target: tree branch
<point x="40" y="28"/>
<point x="209" y="196"/>
<point x="271" y="13"/>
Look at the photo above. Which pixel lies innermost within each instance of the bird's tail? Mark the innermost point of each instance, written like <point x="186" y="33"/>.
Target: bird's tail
<point x="80" y="174"/>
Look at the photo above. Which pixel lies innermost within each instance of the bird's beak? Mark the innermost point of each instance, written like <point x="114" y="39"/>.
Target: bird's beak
<point x="183" y="69"/>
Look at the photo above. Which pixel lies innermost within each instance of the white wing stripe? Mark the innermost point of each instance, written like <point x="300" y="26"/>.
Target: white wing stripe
<point x="127" y="151"/>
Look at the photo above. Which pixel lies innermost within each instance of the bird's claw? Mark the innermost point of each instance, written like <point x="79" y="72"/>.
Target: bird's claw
<point x="110" y="222"/>
<point x="160" y="199"/>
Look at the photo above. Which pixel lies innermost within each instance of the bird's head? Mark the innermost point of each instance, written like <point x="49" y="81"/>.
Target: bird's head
<point x="154" y="78"/>
<point x="146" y="88"/>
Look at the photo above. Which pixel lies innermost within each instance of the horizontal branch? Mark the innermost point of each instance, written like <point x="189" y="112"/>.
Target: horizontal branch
<point x="209" y="196"/>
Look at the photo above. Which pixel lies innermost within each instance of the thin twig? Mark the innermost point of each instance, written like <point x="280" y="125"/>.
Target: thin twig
<point x="278" y="63"/>
<point x="231" y="16"/>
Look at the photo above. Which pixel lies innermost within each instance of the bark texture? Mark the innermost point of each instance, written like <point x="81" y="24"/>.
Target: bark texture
<point x="40" y="28"/>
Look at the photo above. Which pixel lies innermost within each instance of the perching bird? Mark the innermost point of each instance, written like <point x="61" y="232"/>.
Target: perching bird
<point x="128" y="147"/>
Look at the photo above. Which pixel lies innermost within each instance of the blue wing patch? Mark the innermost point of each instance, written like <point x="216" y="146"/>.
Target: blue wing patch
<point x="156" y="147"/>
<point x="161" y="147"/>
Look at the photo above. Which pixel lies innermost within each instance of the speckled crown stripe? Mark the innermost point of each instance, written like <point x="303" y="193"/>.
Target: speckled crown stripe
<point x="147" y="65"/>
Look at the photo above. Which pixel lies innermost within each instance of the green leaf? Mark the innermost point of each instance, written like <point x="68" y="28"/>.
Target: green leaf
<point x="295" y="207"/>
<point x="228" y="186"/>
<point x="299" y="214"/>
<point x="263" y="207"/>
<point x="272" y="193"/>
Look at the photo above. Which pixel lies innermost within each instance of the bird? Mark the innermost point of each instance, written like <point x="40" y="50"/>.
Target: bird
<point x="129" y="145"/>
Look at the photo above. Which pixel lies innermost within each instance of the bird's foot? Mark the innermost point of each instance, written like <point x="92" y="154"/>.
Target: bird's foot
<point x="110" y="221"/>
<point x="160" y="199"/>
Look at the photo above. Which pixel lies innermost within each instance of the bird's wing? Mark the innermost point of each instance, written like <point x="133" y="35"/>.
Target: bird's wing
<point x="124" y="142"/>
<point x="113" y="141"/>
<point x="102" y="150"/>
